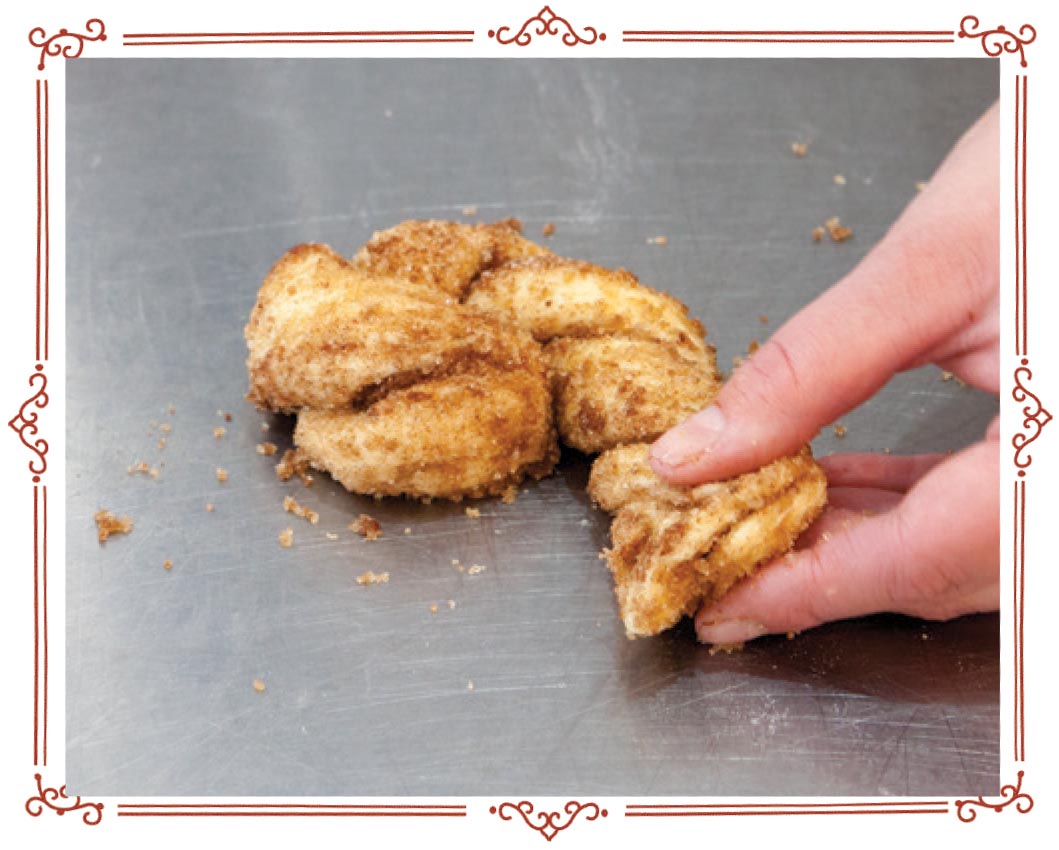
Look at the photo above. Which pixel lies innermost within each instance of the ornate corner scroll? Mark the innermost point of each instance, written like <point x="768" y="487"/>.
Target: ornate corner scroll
<point x="548" y="23"/>
<point x="58" y="802"/>
<point x="1034" y="417"/>
<point x="68" y="44"/>
<point x="548" y="823"/>
<point x="24" y="423"/>
<point x="1009" y="794"/>
<point x="999" y="40"/>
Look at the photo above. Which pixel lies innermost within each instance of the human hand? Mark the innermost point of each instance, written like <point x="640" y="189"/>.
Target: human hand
<point x="917" y="535"/>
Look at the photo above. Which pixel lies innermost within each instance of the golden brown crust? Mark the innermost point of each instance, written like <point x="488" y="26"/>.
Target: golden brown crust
<point x="551" y="296"/>
<point x="325" y="334"/>
<point x="470" y="434"/>
<point x="612" y="390"/>
<point x="443" y="255"/>
<point x="674" y="549"/>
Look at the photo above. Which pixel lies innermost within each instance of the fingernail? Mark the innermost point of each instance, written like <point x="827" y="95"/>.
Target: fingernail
<point x="689" y="440"/>
<point x="730" y="631"/>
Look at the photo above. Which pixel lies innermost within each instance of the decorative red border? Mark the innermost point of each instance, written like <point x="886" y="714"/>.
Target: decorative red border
<point x="791" y="36"/>
<point x="165" y="39"/>
<point x="297" y="810"/>
<point x="70" y="45"/>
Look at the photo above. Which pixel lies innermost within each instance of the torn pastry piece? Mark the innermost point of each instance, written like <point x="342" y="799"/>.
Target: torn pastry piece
<point x="472" y="434"/>
<point x="674" y="549"/>
<point x="612" y="390"/>
<point x="627" y="363"/>
<point x="444" y="255"/>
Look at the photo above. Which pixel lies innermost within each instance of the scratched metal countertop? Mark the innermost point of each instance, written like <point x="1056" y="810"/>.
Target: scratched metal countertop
<point x="186" y="180"/>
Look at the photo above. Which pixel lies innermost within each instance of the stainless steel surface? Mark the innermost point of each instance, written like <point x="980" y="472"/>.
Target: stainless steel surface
<point x="187" y="179"/>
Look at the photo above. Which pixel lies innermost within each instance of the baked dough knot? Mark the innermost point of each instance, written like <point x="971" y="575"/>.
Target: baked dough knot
<point x="399" y="388"/>
<point x="443" y="358"/>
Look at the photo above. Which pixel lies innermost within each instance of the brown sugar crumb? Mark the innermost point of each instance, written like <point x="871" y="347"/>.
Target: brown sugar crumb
<point x="474" y="569"/>
<point x="799" y="148"/>
<point x="209" y="508"/>
<point x="753" y="346"/>
<point x="763" y="319"/>
<point x="839" y="180"/>
<point x="433" y="609"/>
<point x="921" y="185"/>
<point x="840" y="431"/>
<point x="472" y="513"/>
<point x="222" y="474"/>
<point x="452" y="604"/>
<point x="548" y="229"/>
<point x="292" y="507"/>
<point x="472" y="210"/>
<point x="293" y="463"/>
<point x="836" y="230"/>
<point x="367" y="527"/>
<point x="219" y="432"/>
<point x="947" y="376"/>
<point x="227" y="417"/>
<point x="165" y="428"/>
<point x="408" y="531"/>
<point x="172" y="410"/>
<point x="818" y="233"/>
<point x="167" y="564"/>
<point x="259" y="686"/>
<point x="142" y="468"/>
<point x="286" y="538"/>
<point x="161" y="443"/>
<point x="108" y="524"/>
<point x="364" y="579"/>
<point x="726" y="648"/>
<point x="509" y="495"/>
<point x="658" y="240"/>
<point x="267" y="449"/>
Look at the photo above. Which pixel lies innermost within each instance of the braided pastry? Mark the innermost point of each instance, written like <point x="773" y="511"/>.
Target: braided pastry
<point x="441" y="359"/>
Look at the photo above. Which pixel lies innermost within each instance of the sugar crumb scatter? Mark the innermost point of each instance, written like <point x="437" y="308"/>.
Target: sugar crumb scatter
<point x="548" y="229"/>
<point x="291" y="506"/>
<point x="836" y="230"/>
<point x="840" y="180"/>
<point x="367" y="527"/>
<point x="219" y="432"/>
<point x="108" y="523"/>
<point x="840" y="430"/>
<point x="168" y="564"/>
<point x="799" y="148"/>
<point x="259" y="686"/>
<point x="472" y="513"/>
<point x="222" y="474"/>
<point x="286" y="538"/>
<point x="369" y="578"/>
<point x="268" y="449"/>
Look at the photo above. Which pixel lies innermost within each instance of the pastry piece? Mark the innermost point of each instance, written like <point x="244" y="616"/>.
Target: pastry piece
<point x="552" y="296"/>
<point x="325" y="334"/>
<point x="627" y="362"/>
<point x="674" y="549"/>
<point x="611" y="390"/>
<point x="470" y="434"/>
<point x="399" y="388"/>
<point x="444" y="255"/>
